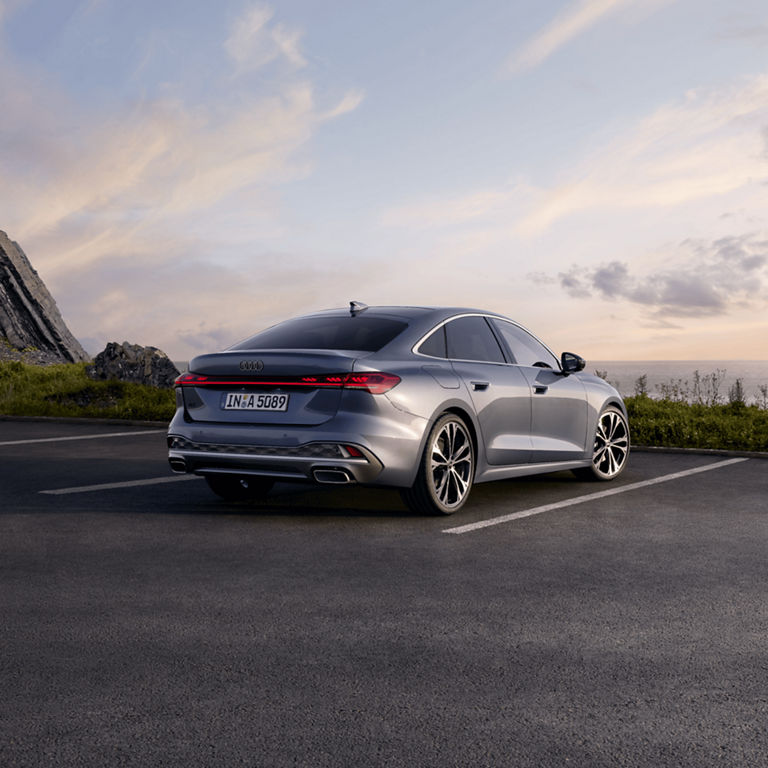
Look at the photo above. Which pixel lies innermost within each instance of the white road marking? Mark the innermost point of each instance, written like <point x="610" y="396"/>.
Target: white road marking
<point x="84" y="437"/>
<point x="589" y="497"/>
<point x="124" y="484"/>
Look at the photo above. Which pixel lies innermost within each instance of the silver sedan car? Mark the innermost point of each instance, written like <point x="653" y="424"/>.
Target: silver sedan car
<point x="427" y="400"/>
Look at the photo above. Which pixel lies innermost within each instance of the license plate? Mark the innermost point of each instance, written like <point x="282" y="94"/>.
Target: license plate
<point x="250" y="401"/>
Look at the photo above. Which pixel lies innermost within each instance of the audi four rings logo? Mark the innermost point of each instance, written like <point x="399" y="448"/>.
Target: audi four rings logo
<point x="252" y="365"/>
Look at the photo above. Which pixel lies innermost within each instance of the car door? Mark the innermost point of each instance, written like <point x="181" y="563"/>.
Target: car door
<point x="559" y="411"/>
<point x="500" y="392"/>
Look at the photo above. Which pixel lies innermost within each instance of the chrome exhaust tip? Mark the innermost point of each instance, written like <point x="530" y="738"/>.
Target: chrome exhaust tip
<point x="178" y="464"/>
<point x="332" y="476"/>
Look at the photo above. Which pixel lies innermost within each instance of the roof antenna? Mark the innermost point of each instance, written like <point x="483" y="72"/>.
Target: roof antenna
<point x="356" y="306"/>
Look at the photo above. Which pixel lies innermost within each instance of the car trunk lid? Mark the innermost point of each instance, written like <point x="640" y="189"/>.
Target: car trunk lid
<point x="276" y="387"/>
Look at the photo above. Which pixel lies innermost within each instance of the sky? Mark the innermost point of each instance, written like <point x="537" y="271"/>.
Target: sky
<point x="185" y="173"/>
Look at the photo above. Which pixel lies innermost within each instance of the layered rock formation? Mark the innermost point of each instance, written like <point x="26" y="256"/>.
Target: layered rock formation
<point x="29" y="317"/>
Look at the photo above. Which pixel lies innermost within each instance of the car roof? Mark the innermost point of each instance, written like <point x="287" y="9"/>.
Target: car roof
<point x="406" y="312"/>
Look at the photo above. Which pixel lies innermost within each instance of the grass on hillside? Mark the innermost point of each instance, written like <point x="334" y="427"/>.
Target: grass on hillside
<point x="66" y="390"/>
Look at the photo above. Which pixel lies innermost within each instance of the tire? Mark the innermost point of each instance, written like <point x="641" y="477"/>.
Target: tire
<point x="446" y="471"/>
<point x="611" y="447"/>
<point x="239" y="487"/>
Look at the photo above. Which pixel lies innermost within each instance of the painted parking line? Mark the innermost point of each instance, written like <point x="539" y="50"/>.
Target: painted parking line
<point x="589" y="497"/>
<point x="124" y="484"/>
<point x="83" y="437"/>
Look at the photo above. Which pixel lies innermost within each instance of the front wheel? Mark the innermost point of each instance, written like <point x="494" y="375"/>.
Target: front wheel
<point x="611" y="447"/>
<point x="446" y="471"/>
<point x="239" y="487"/>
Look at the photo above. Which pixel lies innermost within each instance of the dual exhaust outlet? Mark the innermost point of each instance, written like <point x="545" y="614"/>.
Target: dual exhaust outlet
<point x="331" y="476"/>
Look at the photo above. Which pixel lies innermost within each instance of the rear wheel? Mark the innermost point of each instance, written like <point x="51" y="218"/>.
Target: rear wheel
<point x="446" y="471"/>
<point x="239" y="487"/>
<point x="611" y="447"/>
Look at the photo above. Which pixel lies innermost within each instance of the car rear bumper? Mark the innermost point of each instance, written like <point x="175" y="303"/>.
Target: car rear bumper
<point x="327" y="463"/>
<point x="390" y="449"/>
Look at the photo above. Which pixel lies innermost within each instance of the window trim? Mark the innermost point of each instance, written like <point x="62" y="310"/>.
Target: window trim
<point x="501" y="341"/>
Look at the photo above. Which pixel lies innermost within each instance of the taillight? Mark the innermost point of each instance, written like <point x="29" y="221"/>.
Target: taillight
<point x="335" y="380"/>
<point x="190" y="380"/>
<point x="374" y="382"/>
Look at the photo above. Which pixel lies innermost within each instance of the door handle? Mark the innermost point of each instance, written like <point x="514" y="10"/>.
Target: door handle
<point x="479" y="385"/>
<point x="540" y="389"/>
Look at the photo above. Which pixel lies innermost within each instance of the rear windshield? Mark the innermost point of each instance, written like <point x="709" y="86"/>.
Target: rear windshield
<point x="368" y="334"/>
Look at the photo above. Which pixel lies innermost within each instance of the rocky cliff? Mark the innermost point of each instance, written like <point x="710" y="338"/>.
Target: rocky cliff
<point x="29" y="317"/>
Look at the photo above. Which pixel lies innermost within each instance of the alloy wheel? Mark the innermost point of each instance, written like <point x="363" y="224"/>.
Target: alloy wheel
<point x="451" y="464"/>
<point x="611" y="444"/>
<point x="446" y="470"/>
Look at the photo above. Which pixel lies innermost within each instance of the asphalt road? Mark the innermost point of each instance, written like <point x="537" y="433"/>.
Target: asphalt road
<point x="151" y="624"/>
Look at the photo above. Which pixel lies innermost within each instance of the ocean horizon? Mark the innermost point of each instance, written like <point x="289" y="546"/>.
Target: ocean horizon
<point x="623" y="374"/>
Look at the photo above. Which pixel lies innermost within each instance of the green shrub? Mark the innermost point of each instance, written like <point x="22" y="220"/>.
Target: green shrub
<point x="66" y="390"/>
<point x="735" y="426"/>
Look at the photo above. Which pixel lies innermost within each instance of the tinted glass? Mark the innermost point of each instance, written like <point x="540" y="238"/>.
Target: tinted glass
<point x="470" y="338"/>
<point x="435" y="344"/>
<point x="368" y="334"/>
<point x="526" y="349"/>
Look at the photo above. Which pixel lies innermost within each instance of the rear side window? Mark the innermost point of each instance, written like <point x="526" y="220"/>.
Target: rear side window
<point x="367" y="334"/>
<point x="434" y="345"/>
<point x="470" y="338"/>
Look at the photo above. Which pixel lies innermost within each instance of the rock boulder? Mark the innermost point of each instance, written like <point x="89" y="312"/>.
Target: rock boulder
<point x="131" y="362"/>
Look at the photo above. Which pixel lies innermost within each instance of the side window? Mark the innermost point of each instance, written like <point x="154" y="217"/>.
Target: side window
<point x="526" y="349"/>
<point x="470" y="338"/>
<point x="434" y="345"/>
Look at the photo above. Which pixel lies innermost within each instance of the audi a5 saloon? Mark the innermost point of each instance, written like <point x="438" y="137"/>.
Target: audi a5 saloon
<point x="426" y="400"/>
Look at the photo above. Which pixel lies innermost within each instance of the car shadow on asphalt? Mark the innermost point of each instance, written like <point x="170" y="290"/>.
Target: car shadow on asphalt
<point x="291" y="500"/>
<point x="302" y="500"/>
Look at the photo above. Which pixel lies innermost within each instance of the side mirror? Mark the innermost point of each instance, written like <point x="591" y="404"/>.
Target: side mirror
<point x="571" y="363"/>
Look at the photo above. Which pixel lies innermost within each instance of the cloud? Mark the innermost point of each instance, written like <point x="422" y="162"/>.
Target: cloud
<point x="210" y="304"/>
<point x="287" y="42"/>
<point x="159" y="159"/>
<point x="573" y="283"/>
<point x="157" y="208"/>
<point x="706" y="145"/>
<point x="708" y="279"/>
<point x="253" y="43"/>
<point x="349" y="103"/>
<point x="611" y="279"/>
<point x="152" y="162"/>
<point x="577" y="18"/>
<point x="541" y="278"/>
